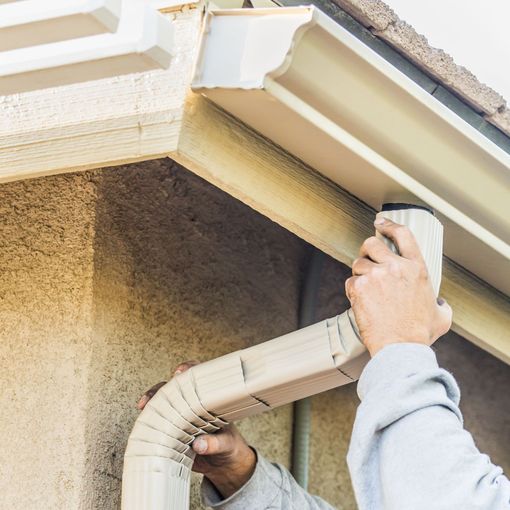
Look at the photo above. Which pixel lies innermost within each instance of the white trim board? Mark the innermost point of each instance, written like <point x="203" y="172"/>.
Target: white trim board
<point x="226" y="153"/>
<point x="99" y="123"/>
<point x="304" y="82"/>
<point x="32" y="22"/>
<point x="144" y="41"/>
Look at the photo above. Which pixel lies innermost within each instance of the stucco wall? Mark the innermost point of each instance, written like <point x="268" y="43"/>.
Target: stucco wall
<point x="109" y="279"/>
<point x="181" y="272"/>
<point x="46" y="271"/>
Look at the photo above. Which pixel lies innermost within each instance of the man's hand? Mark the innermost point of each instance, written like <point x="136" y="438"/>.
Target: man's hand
<point x="224" y="457"/>
<point x="391" y="295"/>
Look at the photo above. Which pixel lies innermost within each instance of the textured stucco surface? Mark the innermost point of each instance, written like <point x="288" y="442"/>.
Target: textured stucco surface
<point x="372" y="13"/>
<point x="109" y="279"/>
<point x="485" y="403"/>
<point x="502" y="120"/>
<point x="181" y="272"/>
<point x="46" y="271"/>
<point x="441" y="65"/>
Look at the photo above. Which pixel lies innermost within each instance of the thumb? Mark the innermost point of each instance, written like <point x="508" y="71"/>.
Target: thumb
<point x="213" y="444"/>
<point x="445" y="314"/>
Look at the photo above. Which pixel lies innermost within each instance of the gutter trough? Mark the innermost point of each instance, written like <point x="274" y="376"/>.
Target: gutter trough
<point x="310" y="86"/>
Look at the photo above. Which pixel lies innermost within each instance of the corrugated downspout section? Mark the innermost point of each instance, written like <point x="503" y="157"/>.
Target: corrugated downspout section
<point x="206" y="397"/>
<point x="159" y="458"/>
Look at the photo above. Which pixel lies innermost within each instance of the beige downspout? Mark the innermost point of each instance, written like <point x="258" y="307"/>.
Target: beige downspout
<point x="159" y="458"/>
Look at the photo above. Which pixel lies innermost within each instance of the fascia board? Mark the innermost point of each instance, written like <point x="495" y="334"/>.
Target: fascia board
<point x="32" y="22"/>
<point x="353" y="117"/>
<point x="144" y="41"/>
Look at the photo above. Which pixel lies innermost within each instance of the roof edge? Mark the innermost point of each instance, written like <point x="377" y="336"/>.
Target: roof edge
<point x="377" y="25"/>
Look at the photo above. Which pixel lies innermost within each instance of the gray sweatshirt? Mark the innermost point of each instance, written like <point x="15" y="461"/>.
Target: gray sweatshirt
<point x="408" y="451"/>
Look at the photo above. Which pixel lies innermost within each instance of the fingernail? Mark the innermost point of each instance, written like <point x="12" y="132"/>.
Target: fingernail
<point x="379" y="221"/>
<point x="143" y="400"/>
<point x="177" y="372"/>
<point x="200" y="445"/>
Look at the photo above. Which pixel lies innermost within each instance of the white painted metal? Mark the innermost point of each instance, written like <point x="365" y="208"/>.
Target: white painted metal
<point x="305" y="83"/>
<point x="428" y="233"/>
<point x="159" y="457"/>
<point x="32" y="22"/>
<point x="100" y="123"/>
<point x="143" y="41"/>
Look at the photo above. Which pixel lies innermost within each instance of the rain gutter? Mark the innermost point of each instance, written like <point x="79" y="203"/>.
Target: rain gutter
<point x="310" y="86"/>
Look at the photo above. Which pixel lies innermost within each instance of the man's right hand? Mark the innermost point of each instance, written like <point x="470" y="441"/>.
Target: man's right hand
<point x="224" y="457"/>
<point x="392" y="295"/>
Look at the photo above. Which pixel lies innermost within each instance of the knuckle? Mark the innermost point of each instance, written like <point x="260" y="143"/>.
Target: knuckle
<point x="407" y="234"/>
<point x="394" y="268"/>
<point x="419" y="270"/>
<point x="357" y="263"/>
<point x="402" y="233"/>
<point x="368" y="243"/>
<point x="185" y="365"/>
<point x="379" y="273"/>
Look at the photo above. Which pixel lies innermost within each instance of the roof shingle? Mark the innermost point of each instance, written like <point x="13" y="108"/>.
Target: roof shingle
<point x="383" y="22"/>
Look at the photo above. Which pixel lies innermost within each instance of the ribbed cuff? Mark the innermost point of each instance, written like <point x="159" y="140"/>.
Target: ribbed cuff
<point x="263" y="487"/>
<point x="393" y="362"/>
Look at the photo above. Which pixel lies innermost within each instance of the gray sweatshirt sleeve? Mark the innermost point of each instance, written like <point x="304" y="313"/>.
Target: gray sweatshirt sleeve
<point x="270" y="487"/>
<point x="409" y="449"/>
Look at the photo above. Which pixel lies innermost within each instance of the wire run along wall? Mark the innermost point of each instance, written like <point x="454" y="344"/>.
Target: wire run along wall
<point x="205" y="398"/>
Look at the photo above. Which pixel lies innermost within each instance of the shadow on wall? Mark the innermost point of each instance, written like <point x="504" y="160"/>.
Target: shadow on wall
<point x="182" y="271"/>
<point x="485" y="400"/>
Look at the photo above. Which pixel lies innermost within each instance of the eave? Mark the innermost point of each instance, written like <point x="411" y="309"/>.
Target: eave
<point x="140" y="116"/>
<point x="31" y="22"/>
<point x="143" y="41"/>
<point x="304" y="82"/>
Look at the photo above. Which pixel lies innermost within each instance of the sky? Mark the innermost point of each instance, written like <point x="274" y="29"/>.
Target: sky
<point x="476" y="33"/>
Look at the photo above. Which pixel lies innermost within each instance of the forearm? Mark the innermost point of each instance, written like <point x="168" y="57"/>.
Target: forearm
<point x="270" y="486"/>
<point x="409" y="448"/>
